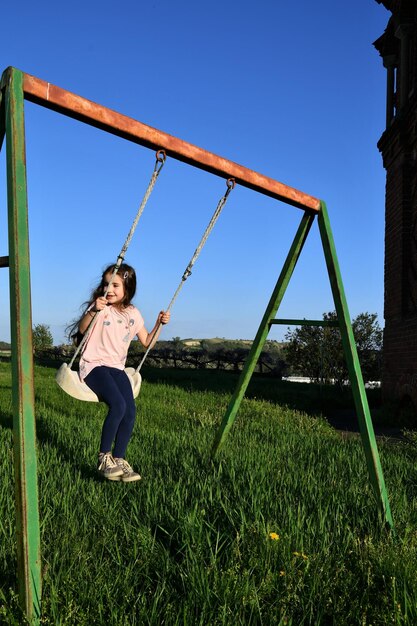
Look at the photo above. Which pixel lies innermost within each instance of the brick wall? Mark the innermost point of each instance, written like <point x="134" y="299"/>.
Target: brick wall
<point x="398" y="146"/>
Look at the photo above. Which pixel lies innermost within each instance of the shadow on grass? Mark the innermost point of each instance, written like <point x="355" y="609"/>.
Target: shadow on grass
<point x="329" y="401"/>
<point x="309" y="398"/>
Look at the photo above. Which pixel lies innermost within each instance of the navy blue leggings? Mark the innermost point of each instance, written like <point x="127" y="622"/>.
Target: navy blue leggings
<point x="113" y="387"/>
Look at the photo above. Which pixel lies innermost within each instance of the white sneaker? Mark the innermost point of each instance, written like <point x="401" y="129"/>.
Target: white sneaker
<point x="128" y="475"/>
<point x="107" y="467"/>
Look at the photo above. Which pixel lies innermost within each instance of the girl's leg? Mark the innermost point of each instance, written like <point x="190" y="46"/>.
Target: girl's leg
<point x="102" y="381"/>
<point x="124" y="432"/>
<point x="113" y="387"/>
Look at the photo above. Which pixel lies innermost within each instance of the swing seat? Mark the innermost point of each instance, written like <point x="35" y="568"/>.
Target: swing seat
<point x="70" y="382"/>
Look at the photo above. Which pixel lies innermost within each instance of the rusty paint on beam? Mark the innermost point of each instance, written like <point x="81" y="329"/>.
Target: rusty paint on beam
<point x="67" y="103"/>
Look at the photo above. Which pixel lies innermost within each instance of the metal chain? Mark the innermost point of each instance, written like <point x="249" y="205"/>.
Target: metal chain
<point x="187" y="272"/>
<point x="159" y="163"/>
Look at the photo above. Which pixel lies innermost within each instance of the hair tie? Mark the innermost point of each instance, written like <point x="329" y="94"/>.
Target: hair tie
<point x="125" y="275"/>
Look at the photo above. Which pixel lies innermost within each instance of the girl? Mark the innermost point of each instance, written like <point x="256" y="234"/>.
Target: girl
<point x="103" y="360"/>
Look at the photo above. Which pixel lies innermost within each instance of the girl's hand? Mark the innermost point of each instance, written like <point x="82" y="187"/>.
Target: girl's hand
<point x="164" y="317"/>
<point x="100" y="303"/>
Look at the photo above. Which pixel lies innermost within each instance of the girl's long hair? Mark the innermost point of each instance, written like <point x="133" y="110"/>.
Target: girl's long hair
<point x="128" y="276"/>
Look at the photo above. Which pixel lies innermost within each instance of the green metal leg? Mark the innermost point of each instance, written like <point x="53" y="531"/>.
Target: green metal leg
<point x="263" y="330"/>
<point x="25" y="462"/>
<point x="355" y="373"/>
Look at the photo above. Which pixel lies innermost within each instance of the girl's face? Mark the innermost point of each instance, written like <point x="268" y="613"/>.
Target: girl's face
<point x="116" y="290"/>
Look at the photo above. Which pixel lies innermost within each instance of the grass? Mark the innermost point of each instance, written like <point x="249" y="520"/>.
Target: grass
<point x="191" y="544"/>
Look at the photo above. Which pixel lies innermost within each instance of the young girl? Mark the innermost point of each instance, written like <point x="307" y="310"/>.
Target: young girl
<point x="103" y="360"/>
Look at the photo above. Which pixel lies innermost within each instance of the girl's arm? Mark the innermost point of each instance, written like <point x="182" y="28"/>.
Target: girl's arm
<point x="147" y="338"/>
<point x="99" y="305"/>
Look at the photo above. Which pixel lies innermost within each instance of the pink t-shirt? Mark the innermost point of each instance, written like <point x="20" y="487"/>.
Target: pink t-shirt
<point x="110" y="339"/>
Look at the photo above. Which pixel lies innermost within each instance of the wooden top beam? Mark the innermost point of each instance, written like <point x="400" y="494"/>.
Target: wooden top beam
<point x="67" y="103"/>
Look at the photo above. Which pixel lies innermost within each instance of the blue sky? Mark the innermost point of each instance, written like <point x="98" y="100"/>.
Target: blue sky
<point x="295" y="91"/>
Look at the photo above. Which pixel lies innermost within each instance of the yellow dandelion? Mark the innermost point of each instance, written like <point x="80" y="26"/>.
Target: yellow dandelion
<point x="274" y="536"/>
<point x="282" y="573"/>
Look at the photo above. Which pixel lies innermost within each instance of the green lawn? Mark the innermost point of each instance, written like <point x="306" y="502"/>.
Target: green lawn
<point x="191" y="544"/>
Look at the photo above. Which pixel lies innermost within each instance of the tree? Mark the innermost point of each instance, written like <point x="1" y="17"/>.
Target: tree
<point x="317" y="351"/>
<point x="369" y="339"/>
<point x="42" y="337"/>
<point x="303" y="351"/>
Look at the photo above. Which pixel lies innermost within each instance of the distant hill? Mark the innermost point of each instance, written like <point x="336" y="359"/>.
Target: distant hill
<point x="217" y="341"/>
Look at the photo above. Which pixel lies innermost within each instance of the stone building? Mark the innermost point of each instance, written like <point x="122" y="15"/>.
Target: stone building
<point x="398" y="146"/>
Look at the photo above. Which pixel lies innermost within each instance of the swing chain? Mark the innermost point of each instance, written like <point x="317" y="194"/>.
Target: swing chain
<point x="160" y="160"/>
<point x="230" y="185"/>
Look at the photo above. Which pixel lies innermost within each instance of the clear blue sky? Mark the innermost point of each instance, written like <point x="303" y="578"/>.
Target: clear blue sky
<point x="294" y="90"/>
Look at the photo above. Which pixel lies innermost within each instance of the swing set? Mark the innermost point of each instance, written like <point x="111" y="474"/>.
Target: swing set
<point x="16" y="86"/>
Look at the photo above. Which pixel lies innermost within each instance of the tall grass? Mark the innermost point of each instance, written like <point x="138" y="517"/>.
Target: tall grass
<point x="281" y="529"/>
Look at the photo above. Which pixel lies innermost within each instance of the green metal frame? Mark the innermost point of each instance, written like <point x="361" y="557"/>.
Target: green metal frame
<point x="15" y="87"/>
<point x="349" y="347"/>
<point x="23" y="402"/>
